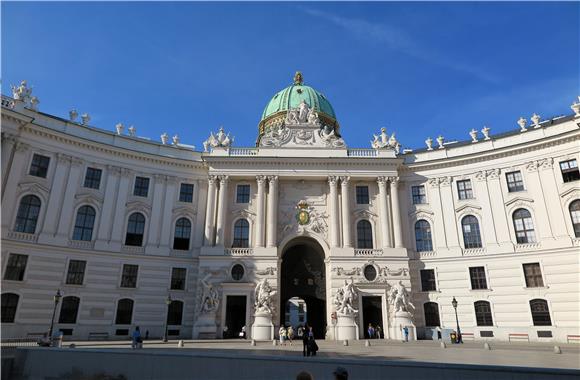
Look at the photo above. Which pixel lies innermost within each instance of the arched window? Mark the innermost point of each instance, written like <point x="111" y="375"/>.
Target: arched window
<point x="471" y="235"/>
<point x="423" y="236"/>
<point x="540" y="312"/>
<point x="135" y="229"/>
<point x="124" y="311"/>
<point x="483" y="313"/>
<point x="69" y="309"/>
<point x="241" y="234"/>
<point x="431" y="314"/>
<point x="575" y="215"/>
<point x="182" y="234"/>
<point x="524" y="226"/>
<point x="9" y="305"/>
<point x="364" y="234"/>
<point x="175" y="313"/>
<point x="27" y="215"/>
<point x="84" y="224"/>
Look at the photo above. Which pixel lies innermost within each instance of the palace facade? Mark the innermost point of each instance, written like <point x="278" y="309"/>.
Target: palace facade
<point x="134" y="232"/>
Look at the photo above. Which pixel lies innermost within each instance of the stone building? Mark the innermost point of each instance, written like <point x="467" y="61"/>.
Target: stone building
<point x="160" y="235"/>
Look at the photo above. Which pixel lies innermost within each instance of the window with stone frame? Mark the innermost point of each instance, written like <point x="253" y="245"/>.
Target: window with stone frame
<point x="574" y="209"/>
<point x="477" y="276"/>
<point x="93" y="178"/>
<point x="431" y="310"/>
<point x="129" y="276"/>
<point x="175" y="313"/>
<point x="243" y="193"/>
<point x="241" y="234"/>
<point x="419" y="195"/>
<point x="483" y="315"/>
<point x="76" y="272"/>
<point x="464" y="189"/>
<point x="423" y="239"/>
<point x="524" y="226"/>
<point x="182" y="234"/>
<point x="39" y="165"/>
<point x="515" y="181"/>
<point x="9" y="307"/>
<point x="540" y="312"/>
<point x="141" y="188"/>
<point x="364" y="234"/>
<point x="84" y="224"/>
<point x="428" y="282"/>
<point x="135" y="230"/>
<point x="533" y="275"/>
<point x="186" y="193"/>
<point x="69" y="310"/>
<point x="362" y="195"/>
<point x="471" y="233"/>
<point x="570" y="170"/>
<point x="15" y="267"/>
<point x="124" y="311"/>
<point x="27" y="215"/>
<point x="178" y="276"/>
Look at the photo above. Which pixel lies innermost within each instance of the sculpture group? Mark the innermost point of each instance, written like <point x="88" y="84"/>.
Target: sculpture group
<point x="263" y="295"/>
<point x="400" y="298"/>
<point x="220" y="139"/>
<point x="345" y="298"/>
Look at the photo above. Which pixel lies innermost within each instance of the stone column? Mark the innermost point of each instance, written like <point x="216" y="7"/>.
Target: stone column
<point x="210" y="211"/>
<point x="66" y="212"/>
<point x="272" y="212"/>
<point x="483" y="194"/>
<point x="334" y="227"/>
<point x="438" y="229"/>
<point x="8" y="143"/>
<point x="346" y="221"/>
<point x="222" y="210"/>
<point x="448" y="207"/>
<point x="169" y="201"/>
<point x="11" y="191"/>
<point x="261" y="180"/>
<point x="54" y="205"/>
<point x="106" y="217"/>
<point x="542" y="218"/>
<point x="556" y="213"/>
<point x="200" y="197"/>
<point x="384" y="214"/>
<point x="397" y="228"/>
<point x="120" y="210"/>
<point x="157" y="200"/>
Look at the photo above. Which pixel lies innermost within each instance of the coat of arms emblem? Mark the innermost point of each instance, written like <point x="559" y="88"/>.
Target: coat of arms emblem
<point x="302" y="216"/>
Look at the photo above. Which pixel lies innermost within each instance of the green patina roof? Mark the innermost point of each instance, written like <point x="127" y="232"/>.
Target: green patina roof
<point x="291" y="96"/>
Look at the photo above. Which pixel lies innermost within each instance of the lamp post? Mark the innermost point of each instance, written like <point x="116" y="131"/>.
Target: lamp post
<point x="458" y="339"/>
<point x="168" y="303"/>
<point x="56" y="298"/>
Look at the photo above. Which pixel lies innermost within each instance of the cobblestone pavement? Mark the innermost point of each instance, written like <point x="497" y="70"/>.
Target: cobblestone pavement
<point x="540" y="355"/>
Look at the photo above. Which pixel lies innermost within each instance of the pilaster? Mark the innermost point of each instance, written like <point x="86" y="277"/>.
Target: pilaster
<point x="222" y="210"/>
<point x="346" y="220"/>
<point x="272" y="211"/>
<point x="261" y="180"/>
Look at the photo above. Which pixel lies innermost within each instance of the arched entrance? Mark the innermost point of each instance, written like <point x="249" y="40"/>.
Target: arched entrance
<point x="303" y="276"/>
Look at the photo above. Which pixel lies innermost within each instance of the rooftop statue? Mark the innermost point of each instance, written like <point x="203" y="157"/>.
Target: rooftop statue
<point x="220" y="139"/>
<point x="298" y="79"/>
<point x="22" y="92"/>
<point x="263" y="295"/>
<point x="383" y="141"/>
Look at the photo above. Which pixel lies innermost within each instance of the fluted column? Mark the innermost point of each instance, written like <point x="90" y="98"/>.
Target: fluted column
<point x="272" y="212"/>
<point x="210" y="211"/>
<point x="334" y="227"/>
<point x="397" y="227"/>
<point x="346" y="227"/>
<point x="222" y="210"/>
<point x="384" y="214"/>
<point x="261" y="180"/>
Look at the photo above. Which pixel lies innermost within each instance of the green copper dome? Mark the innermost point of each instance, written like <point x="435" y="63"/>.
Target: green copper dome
<point x="291" y="97"/>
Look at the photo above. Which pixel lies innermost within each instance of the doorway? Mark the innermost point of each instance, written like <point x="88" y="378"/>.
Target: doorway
<point x="303" y="277"/>
<point x="235" y="316"/>
<point x="373" y="314"/>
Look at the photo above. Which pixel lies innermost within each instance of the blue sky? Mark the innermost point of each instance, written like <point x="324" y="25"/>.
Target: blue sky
<point x="419" y="69"/>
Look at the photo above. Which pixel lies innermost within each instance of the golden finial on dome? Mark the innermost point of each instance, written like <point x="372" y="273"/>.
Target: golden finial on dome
<point x="298" y="79"/>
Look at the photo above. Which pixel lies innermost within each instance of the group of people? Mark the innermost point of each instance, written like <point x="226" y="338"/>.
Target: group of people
<point x="305" y="333"/>
<point x="374" y="332"/>
<point x="286" y="334"/>
<point x="228" y="334"/>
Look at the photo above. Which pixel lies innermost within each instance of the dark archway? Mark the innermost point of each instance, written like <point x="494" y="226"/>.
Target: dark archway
<point x="303" y="276"/>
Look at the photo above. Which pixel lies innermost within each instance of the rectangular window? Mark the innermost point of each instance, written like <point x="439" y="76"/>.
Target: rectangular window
<point x="178" y="278"/>
<point x="419" y="196"/>
<point x="533" y="275"/>
<point x="243" y="194"/>
<point x="141" y="186"/>
<point x="76" y="272"/>
<point x="478" y="280"/>
<point x="186" y="193"/>
<point x="464" y="189"/>
<point x="514" y="181"/>
<point x="39" y="165"/>
<point x="93" y="178"/>
<point x="362" y="195"/>
<point x="15" y="267"/>
<point x="129" y="277"/>
<point x="570" y="170"/>
<point x="428" y="280"/>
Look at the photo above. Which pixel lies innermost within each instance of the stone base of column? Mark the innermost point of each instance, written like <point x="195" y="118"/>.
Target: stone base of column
<point x="205" y="327"/>
<point x="402" y="319"/>
<point x="263" y="328"/>
<point x="346" y="327"/>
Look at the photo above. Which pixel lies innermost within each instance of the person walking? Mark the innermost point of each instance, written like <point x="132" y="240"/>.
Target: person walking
<point x="406" y="333"/>
<point x="136" y="341"/>
<point x="290" y="333"/>
<point x="282" y="333"/>
<point x="312" y="346"/>
<point x="300" y="331"/>
<point x="305" y="351"/>
<point x="379" y="332"/>
<point x="370" y="331"/>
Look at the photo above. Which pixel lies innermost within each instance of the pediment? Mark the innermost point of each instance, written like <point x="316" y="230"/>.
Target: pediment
<point x="34" y="187"/>
<point x="89" y="197"/>
<point x="416" y="213"/>
<point x="138" y="205"/>
<point x="519" y="200"/>
<point x="184" y="210"/>
<point x="570" y="191"/>
<point x="365" y="214"/>
<point x="467" y="206"/>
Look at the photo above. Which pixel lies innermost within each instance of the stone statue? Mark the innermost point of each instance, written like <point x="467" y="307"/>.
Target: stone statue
<point x="485" y="131"/>
<point x="210" y="297"/>
<point x="132" y="131"/>
<point x="175" y="140"/>
<point x="429" y="143"/>
<point x="119" y="128"/>
<point x="400" y="298"/>
<point x="303" y="111"/>
<point x="298" y="79"/>
<point x="536" y="120"/>
<point x="440" y="141"/>
<point x="263" y="295"/>
<point x="164" y="138"/>
<point x="73" y="114"/>
<point x="221" y="139"/>
<point x="34" y="103"/>
<point x="473" y="134"/>
<point x="345" y="298"/>
<point x="522" y="123"/>
<point x="22" y="92"/>
<point x="85" y="118"/>
<point x="383" y="141"/>
<point x="313" y="117"/>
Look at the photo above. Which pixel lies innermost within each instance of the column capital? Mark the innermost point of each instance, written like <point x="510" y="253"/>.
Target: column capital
<point x="532" y="166"/>
<point x="493" y="173"/>
<point x="332" y="180"/>
<point x="224" y="179"/>
<point x="546" y="163"/>
<point x="113" y="170"/>
<point x="273" y="179"/>
<point x="159" y="178"/>
<point x="394" y="181"/>
<point x="481" y="176"/>
<point x="62" y="158"/>
<point x="445" y="181"/>
<point x="125" y="172"/>
<point x="75" y="161"/>
<point x="212" y="179"/>
<point x="261" y="179"/>
<point x="9" y="138"/>
<point x="172" y="180"/>
<point x="433" y="182"/>
<point x="344" y="180"/>
<point x="382" y="181"/>
<point x="21" y="146"/>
